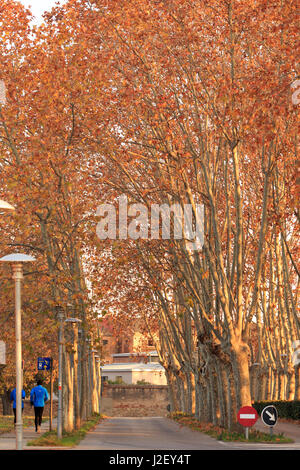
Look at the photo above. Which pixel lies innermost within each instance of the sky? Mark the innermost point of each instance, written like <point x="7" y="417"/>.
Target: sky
<point x="39" y="6"/>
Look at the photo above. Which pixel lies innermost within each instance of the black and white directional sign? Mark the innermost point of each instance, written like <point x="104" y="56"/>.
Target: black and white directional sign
<point x="269" y="415"/>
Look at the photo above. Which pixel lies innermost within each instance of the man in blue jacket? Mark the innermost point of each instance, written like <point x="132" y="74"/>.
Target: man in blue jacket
<point x="38" y="397"/>
<point x="13" y="396"/>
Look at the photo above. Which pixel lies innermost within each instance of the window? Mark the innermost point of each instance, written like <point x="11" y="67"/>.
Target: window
<point x="126" y="346"/>
<point x="154" y="359"/>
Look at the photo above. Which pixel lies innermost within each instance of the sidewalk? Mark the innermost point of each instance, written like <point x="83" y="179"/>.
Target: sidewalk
<point x="8" y="440"/>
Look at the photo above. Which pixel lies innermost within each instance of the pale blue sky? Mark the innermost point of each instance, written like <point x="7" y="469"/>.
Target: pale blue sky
<point x="39" y="6"/>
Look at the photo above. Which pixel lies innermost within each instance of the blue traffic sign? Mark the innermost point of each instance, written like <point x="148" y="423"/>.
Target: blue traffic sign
<point x="44" y="363"/>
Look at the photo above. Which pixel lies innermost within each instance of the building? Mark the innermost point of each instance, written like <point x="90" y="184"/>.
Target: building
<point x="127" y="342"/>
<point x="134" y="373"/>
<point x="138" y="357"/>
<point x="129" y="357"/>
<point x="135" y="368"/>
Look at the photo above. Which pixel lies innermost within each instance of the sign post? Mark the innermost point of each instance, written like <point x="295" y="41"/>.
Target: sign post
<point x="46" y="363"/>
<point x="51" y="395"/>
<point x="247" y="417"/>
<point x="269" y="417"/>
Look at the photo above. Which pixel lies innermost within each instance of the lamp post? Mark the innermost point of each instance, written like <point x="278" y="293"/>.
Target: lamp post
<point x="4" y="206"/>
<point x="17" y="259"/>
<point x="60" y="315"/>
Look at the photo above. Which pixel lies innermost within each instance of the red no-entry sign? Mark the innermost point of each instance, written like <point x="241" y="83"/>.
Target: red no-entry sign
<point x="247" y="416"/>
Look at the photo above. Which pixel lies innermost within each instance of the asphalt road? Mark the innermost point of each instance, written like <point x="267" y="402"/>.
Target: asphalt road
<point x="159" y="433"/>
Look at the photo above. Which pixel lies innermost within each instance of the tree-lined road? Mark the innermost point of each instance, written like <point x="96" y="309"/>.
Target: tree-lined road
<point x="160" y="434"/>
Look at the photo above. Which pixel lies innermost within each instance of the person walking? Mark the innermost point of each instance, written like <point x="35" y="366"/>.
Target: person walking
<point x="13" y="398"/>
<point x="38" y="397"/>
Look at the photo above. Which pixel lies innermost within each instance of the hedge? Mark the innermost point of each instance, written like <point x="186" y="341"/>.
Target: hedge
<point x="285" y="409"/>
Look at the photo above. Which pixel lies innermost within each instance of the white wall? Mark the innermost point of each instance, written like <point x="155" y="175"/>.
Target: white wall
<point x="126" y="376"/>
<point x="153" y="377"/>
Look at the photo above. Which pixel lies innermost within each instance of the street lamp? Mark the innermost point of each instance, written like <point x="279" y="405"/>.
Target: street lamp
<point x="60" y="316"/>
<point x="17" y="259"/>
<point x="4" y="206"/>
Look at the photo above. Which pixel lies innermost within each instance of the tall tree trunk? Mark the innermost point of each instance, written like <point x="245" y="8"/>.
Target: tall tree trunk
<point x="69" y="398"/>
<point x="231" y="398"/>
<point x="76" y="381"/>
<point x="83" y="370"/>
<point x="241" y="373"/>
<point x="95" y="397"/>
<point x="6" y="403"/>
<point x="297" y="382"/>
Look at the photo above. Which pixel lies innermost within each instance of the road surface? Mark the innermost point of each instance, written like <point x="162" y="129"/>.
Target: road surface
<point x="157" y="433"/>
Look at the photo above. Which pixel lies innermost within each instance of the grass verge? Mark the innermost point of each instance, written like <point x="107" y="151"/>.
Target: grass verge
<point x="222" y="434"/>
<point x="7" y="423"/>
<point x="69" y="439"/>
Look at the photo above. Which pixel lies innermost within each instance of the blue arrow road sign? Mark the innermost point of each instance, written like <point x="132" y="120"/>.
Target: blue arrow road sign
<point x="44" y="363"/>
